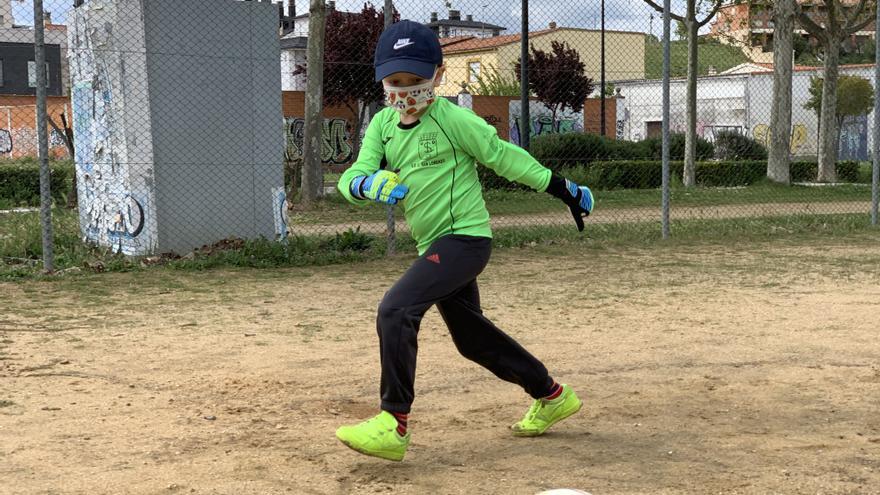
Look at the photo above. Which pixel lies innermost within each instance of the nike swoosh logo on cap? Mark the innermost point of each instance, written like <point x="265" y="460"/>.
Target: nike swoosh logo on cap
<point x="403" y="43"/>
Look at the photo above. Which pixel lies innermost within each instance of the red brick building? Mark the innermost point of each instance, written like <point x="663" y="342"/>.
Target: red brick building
<point x="751" y="27"/>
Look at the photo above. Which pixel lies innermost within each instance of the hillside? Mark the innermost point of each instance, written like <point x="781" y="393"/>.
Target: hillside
<point x="722" y="57"/>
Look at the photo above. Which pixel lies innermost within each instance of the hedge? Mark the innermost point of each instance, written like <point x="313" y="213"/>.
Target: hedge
<point x="652" y="148"/>
<point x="647" y="174"/>
<point x="735" y="146"/>
<point x="20" y="182"/>
<point x="562" y="151"/>
<point x="808" y="171"/>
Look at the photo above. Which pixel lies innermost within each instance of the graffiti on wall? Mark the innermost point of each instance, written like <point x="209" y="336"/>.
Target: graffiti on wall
<point x="542" y="121"/>
<point x="335" y="139"/>
<point x="280" y="208"/>
<point x="854" y="138"/>
<point x="5" y="141"/>
<point x="763" y="134"/>
<point x="115" y="204"/>
<point x="110" y="214"/>
<point x="23" y="141"/>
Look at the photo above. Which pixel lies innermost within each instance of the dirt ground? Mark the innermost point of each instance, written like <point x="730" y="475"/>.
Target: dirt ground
<point x="748" y="368"/>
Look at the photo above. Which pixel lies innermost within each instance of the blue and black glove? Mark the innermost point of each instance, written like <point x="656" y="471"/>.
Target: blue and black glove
<point x="383" y="186"/>
<point x="578" y="198"/>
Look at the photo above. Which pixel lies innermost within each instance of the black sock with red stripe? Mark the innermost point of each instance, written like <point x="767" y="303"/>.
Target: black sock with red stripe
<point x="401" y="422"/>
<point x="555" y="391"/>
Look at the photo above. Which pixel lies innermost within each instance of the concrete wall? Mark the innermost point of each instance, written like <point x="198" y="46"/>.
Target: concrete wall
<point x="112" y="128"/>
<point x="56" y="38"/>
<point x="17" y="76"/>
<point x="176" y="122"/>
<point x="215" y="104"/>
<point x="457" y="70"/>
<point x="625" y="56"/>
<point x="739" y="103"/>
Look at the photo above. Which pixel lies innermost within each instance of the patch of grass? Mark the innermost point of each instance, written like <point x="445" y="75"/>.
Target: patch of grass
<point x="6" y="403"/>
<point x="335" y="210"/>
<point x="866" y="169"/>
<point x="711" y="53"/>
<point x="354" y="246"/>
<point x="692" y="232"/>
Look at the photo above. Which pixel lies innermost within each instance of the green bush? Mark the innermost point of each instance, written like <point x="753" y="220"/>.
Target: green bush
<point x="652" y="148"/>
<point x="20" y="182"/>
<point x="730" y="174"/>
<point x="564" y="152"/>
<point x="629" y="174"/>
<point x="808" y="171"/>
<point x="560" y="151"/>
<point x="648" y="174"/>
<point x="736" y="146"/>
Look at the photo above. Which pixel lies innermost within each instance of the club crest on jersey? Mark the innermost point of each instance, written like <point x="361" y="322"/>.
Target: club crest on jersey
<point x="428" y="146"/>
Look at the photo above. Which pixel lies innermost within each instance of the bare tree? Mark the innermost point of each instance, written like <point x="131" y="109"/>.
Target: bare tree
<point x="692" y="26"/>
<point x="66" y="133"/>
<point x="313" y="173"/>
<point x="840" y="21"/>
<point x="779" y="161"/>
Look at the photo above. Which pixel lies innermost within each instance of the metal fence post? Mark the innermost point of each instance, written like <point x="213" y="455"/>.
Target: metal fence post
<point x="666" y="45"/>
<point x="388" y="13"/>
<point x="525" y="120"/>
<point x="602" y="98"/>
<point x="875" y="175"/>
<point x="43" y="139"/>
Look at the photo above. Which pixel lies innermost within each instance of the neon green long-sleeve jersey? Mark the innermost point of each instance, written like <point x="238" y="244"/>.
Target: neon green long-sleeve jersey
<point x="436" y="158"/>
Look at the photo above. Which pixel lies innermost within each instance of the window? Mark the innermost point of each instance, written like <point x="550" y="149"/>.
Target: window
<point x="32" y="74"/>
<point x="473" y="71"/>
<point x="654" y="129"/>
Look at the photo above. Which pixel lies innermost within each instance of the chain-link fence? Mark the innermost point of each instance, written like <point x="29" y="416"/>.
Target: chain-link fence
<point x="170" y="126"/>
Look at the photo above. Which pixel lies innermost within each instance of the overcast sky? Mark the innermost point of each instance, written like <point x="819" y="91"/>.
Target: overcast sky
<point x="627" y="15"/>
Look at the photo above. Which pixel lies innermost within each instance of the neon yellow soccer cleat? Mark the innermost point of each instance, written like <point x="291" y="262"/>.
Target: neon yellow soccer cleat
<point x="376" y="436"/>
<point x="545" y="413"/>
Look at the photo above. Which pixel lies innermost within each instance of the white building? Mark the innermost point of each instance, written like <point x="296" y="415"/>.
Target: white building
<point x="456" y="26"/>
<point x="293" y="49"/>
<point x="739" y="103"/>
<point x="293" y="55"/>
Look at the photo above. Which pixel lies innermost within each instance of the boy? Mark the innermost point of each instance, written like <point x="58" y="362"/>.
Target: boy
<point x="433" y="146"/>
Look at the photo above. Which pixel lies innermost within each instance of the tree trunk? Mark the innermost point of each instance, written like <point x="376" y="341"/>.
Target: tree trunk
<point x="779" y="162"/>
<point x="313" y="173"/>
<point x="690" y="139"/>
<point x="828" y="119"/>
<point x="67" y="134"/>
<point x="360" y="113"/>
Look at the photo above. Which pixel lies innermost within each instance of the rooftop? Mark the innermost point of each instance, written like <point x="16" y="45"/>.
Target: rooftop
<point x="473" y="43"/>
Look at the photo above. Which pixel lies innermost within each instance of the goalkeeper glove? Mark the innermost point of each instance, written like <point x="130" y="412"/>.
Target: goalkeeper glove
<point x="578" y="198"/>
<point x="383" y="186"/>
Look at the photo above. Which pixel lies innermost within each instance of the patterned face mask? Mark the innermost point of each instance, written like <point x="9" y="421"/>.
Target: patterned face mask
<point x="410" y="100"/>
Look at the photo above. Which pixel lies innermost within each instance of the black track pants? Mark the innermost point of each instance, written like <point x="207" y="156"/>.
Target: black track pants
<point x="446" y="275"/>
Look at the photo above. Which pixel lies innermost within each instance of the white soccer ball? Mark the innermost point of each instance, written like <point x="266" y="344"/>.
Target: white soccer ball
<point x="563" y="491"/>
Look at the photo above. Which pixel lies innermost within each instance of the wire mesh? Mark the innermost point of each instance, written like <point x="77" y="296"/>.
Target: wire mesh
<point x="186" y="120"/>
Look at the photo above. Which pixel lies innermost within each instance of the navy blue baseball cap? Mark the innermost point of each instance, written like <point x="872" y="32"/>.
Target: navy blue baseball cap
<point x="407" y="46"/>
